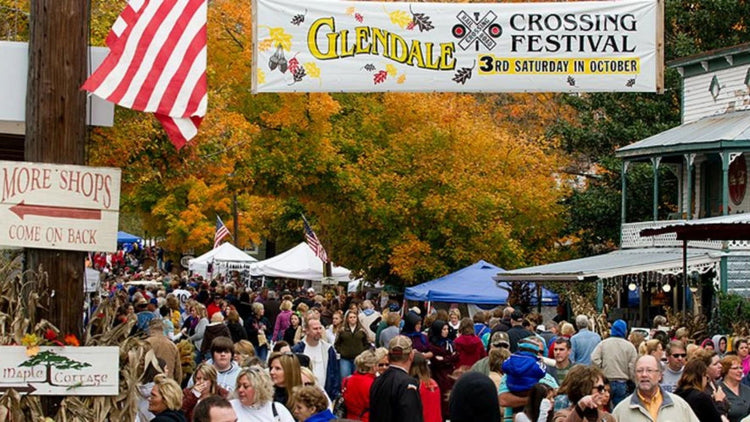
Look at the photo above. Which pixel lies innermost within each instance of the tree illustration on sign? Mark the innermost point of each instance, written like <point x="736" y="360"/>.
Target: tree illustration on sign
<point x="51" y="360"/>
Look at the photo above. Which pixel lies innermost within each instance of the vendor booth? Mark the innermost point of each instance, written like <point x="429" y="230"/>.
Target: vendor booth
<point x="224" y="258"/>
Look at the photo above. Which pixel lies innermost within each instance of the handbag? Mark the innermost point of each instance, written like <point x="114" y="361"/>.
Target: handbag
<point x="339" y="405"/>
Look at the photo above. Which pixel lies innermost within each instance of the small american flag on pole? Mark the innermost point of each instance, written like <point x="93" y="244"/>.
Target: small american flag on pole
<point x="313" y="241"/>
<point x="221" y="232"/>
<point x="157" y="64"/>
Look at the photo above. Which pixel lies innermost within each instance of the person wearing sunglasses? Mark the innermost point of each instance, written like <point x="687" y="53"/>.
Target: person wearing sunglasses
<point x="584" y="388"/>
<point x="676" y="357"/>
<point x="650" y="402"/>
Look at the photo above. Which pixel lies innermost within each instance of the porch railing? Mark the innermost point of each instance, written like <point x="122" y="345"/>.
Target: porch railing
<point x="631" y="237"/>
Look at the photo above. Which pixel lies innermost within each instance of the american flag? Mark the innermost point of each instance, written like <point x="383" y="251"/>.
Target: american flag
<point x="221" y="232"/>
<point x="157" y="64"/>
<point x="313" y="241"/>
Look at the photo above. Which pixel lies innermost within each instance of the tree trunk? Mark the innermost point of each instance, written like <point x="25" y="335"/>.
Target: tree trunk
<point x="56" y="133"/>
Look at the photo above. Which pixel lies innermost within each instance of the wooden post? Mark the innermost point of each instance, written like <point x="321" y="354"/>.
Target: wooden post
<point x="56" y="133"/>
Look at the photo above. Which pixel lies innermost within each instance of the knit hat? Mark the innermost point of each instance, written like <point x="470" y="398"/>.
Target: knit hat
<point x="528" y="345"/>
<point x="619" y="328"/>
<point x="500" y="339"/>
<point x="474" y="398"/>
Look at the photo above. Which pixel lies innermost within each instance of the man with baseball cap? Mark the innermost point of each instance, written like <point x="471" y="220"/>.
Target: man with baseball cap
<point x="499" y="340"/>
<point x="394" y="396"/>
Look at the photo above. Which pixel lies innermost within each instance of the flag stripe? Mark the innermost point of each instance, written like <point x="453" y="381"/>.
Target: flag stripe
<point x="184" y="54"/>
<point x="129" y="41"/>
<point x="149" y="38"/>
<point x="164" y="39"/>
<point x="221" y="232"/>
<point x="176" y="97"/>
<point x="156" y="74"/>
<point x="184" y="98"/>
<point x="157" y="63"/>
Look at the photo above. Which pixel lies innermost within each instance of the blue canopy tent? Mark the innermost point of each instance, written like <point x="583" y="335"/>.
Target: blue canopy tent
<point x="123" y="237"/>
<point x="473" y="284"/>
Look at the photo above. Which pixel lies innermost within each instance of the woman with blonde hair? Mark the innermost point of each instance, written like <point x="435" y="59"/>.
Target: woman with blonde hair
<point x="254" y="402"/>
<point x="244" y="352"/>
<point x="356" y="388"/>
<point x="381" y="353"/>
<point x="337" y="319"/>
<point x="285" y="371"/>
<point x="654" y="348"/>
<point x="205" y="385"/>
<point x="567" y="330"/>
<point x="282" y="320"/>
<point x="165" y="401"/>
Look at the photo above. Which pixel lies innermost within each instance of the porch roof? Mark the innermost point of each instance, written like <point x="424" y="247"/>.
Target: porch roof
<point x="726" y="227"/>
<point x="613" y="264"/>
<point x="712" y="133"/>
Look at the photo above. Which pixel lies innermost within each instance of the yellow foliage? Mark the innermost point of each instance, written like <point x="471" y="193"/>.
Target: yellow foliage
<point x="279" y="37"/>
<point x="400" y="18"/>
<point x="312" y="69"/>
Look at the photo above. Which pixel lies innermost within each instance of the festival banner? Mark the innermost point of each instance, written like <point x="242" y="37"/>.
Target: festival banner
<point x="348" y="46"/>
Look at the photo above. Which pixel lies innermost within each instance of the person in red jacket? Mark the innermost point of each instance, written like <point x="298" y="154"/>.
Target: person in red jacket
<point x="468" y="346"/>
<point x="356" y="387"/>
<point x="429" y="391"/>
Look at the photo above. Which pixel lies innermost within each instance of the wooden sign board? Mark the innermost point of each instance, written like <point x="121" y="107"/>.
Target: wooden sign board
<point x="51" y="206"/>
<point x="60" y="371"/>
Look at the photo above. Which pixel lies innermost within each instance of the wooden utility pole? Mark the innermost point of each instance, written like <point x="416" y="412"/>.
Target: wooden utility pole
<point x="56" y="133"/>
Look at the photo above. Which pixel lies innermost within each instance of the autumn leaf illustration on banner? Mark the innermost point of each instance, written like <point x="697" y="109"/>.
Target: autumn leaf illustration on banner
<point x="359" y="18"/>
<point x="421" y="20"/>
<point x="401" y="78"/>
<point x="350" y="10"/>
<point x="261" y="76"/>
<point x="299" y="18"/>
<point x="265" y="45"/>
<point x="380" y="77"/>
<point x="464" y="74"/>
<point x="399" y="17"/>
<point x="312" y="69"/>
<point x="391" y="70"/>
<point x="293" y="64"/>
<point x="279" y="37"/>
<point x="369" y="67"/>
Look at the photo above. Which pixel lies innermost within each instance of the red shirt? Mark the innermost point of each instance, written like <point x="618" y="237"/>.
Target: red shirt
<point x="431" y="401"/>
<point x="357" y="395"/>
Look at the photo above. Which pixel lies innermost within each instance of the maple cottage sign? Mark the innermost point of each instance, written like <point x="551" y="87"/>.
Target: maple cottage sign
<point x="59" y="206"/>
<point x="343" y="46"/>
<point x="65" y="371"/>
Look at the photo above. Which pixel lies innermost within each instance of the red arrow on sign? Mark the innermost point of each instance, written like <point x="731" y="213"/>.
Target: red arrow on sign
<point x="60" y="212"/>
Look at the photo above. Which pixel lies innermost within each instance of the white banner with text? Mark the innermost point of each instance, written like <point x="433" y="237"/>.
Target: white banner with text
<point x="345" y="46"/>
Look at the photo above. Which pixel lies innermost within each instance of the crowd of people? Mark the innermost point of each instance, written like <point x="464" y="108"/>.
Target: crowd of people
<point x="291" y="355"/>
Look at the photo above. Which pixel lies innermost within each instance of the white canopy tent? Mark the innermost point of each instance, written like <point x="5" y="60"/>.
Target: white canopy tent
<point x="226" y="257"/>
<point x="300" y="263"/>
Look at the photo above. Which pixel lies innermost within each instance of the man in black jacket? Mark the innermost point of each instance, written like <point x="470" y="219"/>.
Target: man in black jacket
<point x="394" y="396"/>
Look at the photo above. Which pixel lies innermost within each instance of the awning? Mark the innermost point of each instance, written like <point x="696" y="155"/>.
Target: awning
<point x="617" y="263"/>
<point x="728" y="130"/>
<point x="727" y="227"/>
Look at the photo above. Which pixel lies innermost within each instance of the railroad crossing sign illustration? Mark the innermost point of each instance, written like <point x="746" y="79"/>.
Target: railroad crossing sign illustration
<point x="475" y="30"/>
